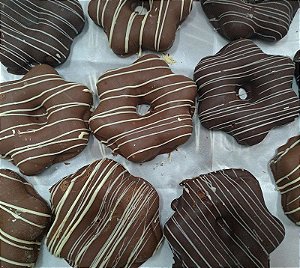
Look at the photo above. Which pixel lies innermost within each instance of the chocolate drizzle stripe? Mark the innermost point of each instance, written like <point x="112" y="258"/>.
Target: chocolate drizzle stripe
<point x="162" y="10"/>
<point x="254" y="207"/>
<point x="150" y="134"/>
<point x="284" y="152"/>
<point x="140" y="119"/>
<point x="209" y="198"/>
<point x="79" y="145"/>
<point x="14" y="179"/>
<point x="25" y="210"/>
<point x="17" y="216"/>
<point x="117" y="190"/>
<point x="17" y="263"/>
<point x="17" y="240"/>
<point x="286" y="177"/>
<point x="141" y="61"/>
<point x="138" y="85"/>
<point x="8" y="242"/>
<point x="151" y="126"/>
<point x="26" y="148"/>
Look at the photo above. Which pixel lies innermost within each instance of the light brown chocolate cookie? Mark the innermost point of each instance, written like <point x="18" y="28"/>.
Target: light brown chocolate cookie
<point x="43" y="119"/>
<point x="24" y="220"/>
<point x="104" y="217"/>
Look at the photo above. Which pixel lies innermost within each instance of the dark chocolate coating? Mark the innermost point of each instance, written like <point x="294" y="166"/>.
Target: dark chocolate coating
<point x="104" y="217"/>
<point x="168" y="123"/>
<point x="129" y="32"/>
<point x="43" y="119"/>
<point x="221" y="220"/>
<point x="297" y="68"/>
<point x="285" y="167"/>
<point x="24" y="220"/>
<point x="235" y="19"/>
<point x="35" y="32"/>
<point x="267" y="80"/>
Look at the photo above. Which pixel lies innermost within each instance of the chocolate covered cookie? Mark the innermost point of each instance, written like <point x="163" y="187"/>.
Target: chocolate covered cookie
<point x="265" y="19"/>
<point x="221" y="220"/>
<point x="104" y="217"/>
<point x="133" y="25"/>
<point x="24" y="220"/>
<point x="43" y="119"/>
<point x="166" y="124"/>
<point x="285" y="167"/>
<point x="297" y="68"/>
<point x="35" y="32"/>
<point x="268" y="100"/>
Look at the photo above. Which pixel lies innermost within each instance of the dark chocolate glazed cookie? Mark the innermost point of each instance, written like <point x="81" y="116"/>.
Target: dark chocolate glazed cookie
<point x="268" y="101"/>
<point x="104" y="217"/>
<point x="133" y="25"/>
<point x="166" y="125"/>
<point x="43" y="119"/>
<point x="221" y="220"/>
<point x="35" y="32"/>
<point x="265" y="19"/>
<point x="286" y="171"/>
<point x="24" y="220"/>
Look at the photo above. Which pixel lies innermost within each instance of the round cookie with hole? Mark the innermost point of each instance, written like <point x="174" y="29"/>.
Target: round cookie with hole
<point x="135" y="25"/>
<point x="121" y="121"/>
<point x="245" y="92"/>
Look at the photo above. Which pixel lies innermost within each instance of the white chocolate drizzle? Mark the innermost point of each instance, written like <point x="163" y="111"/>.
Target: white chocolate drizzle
<point x="222" y="221"/>
<point x="111" y="15"/>
<point x="50" y="118"/>
<point x="102" y="189"/>
<point x="169" y="95"/>
<point x="270" y="102"/>
<point x="42" y="30"/>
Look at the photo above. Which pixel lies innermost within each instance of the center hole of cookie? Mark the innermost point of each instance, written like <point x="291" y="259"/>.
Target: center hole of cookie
<point x="242" y="93"/>
<point x="140" y="7"/>
<point x="143" y="109"/>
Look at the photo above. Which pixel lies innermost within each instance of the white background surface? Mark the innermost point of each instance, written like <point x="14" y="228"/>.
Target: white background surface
<point x="204" y="152"/>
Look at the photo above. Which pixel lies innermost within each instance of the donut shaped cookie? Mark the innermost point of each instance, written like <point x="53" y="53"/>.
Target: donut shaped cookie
<point x="24" y="217"/>
<point x="104" y="217"/>
<point x="267" y="80"/>
<point x="221" y="220"/>
<point x="164" y="127"/>
<point x="297" y="67"/>
<point x="43" y="119"/>
<point x="285" y="167"/>
<point x="129" y="31"/>
<point x="34" y="32"/>
<point x="235" y="19"/>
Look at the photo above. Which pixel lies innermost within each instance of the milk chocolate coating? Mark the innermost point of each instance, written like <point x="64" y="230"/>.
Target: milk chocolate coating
<point x="285" y="167"/>
<point x="35" y="31"/>
<point x="297" y="67"/>
<point x="235" y="19"/>
<point x="267" y="80"/>
<point x="104" y="217"/>
<point x="43" y="119"/>
<point x="221" y="220"/>
<point x="167" y="125"/>
<point x="24" y="220"/>
<point x="129" y="32"/>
